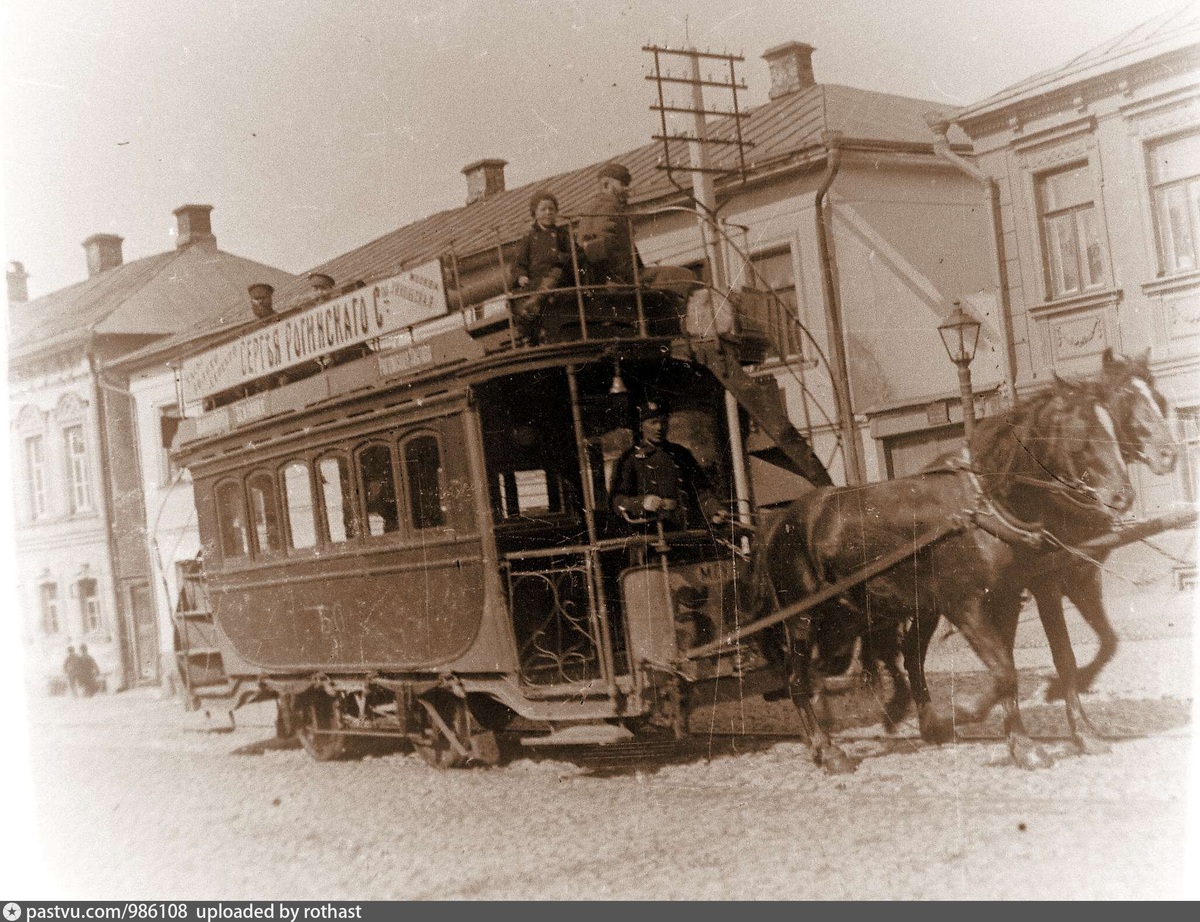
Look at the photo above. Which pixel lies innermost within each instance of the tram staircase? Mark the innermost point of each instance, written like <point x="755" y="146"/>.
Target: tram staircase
<point x="761" y="398"/>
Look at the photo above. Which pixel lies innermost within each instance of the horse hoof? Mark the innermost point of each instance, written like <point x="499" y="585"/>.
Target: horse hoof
<point x="894" y="714"/>
<point x="1088" y="745"/>
<point x="1029" y="756"/>
<point x="935" y="727"/>
<point x="836" y="762"/>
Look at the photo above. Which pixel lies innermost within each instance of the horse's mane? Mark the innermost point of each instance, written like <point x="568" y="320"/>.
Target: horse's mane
<point x="1031" y="438"/>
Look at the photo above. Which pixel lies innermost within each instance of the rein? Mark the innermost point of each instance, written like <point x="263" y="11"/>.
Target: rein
<point x="997" y="521"/>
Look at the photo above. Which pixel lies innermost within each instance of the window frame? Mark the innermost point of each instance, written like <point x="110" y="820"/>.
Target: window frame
<point x="86" y="615"/>
<point x="49" y="608"/>
<point x="798" y="348"/>
<point x="285" y="507"/>
<point x="350" y="500"/>
<point x="39" y="501"/>
<point x="265" y="475"/>
<point x="410" y="495"/>
<point x="1159" y="217"/>
<point x="1044" y="215"/>
<point x="379" y="441"/>
<point x="236" y="484"/>
<point x="79" y="479"/>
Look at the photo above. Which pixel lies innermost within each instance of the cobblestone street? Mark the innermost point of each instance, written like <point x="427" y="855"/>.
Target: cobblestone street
<point x="138" y="799"/>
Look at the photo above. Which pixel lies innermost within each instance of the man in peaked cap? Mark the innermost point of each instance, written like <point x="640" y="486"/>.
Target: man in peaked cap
<point x="604" y="231"/>
<point x="260" y="300"/>
<point x="606" y="238"/>
<point x="656" y="478"/>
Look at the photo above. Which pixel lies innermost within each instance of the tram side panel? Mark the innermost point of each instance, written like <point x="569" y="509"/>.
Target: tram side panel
<point x="405" y="596"/>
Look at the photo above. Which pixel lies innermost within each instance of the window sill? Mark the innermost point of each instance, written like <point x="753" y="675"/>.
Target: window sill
<point x="1088" y="300"/>
<point x="1169" y="283"/>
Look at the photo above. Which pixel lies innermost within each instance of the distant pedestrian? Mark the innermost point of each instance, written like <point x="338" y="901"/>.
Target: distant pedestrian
<point x="72" y="671"/>
<point x="89" y="672"/>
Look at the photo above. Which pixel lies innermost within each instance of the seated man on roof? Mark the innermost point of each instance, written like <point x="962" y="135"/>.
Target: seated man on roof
<point x="606" y="238"/>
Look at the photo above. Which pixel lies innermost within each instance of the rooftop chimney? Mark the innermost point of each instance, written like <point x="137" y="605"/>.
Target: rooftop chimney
<point x="485" y="178"/>
<point x="791" y="68"/>
<point x="195" y="226"/>
<point x="103" y="252"/>
<point x="18" y="288"/>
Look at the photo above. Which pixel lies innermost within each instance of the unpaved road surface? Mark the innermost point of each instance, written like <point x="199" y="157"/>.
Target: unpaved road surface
<point x="137" y="799"/>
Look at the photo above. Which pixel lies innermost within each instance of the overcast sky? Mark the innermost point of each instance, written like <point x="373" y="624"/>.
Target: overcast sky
<point x="314" y="126"/>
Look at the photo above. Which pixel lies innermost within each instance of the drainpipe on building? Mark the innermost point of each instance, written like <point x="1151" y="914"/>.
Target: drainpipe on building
<point x="991" y="198"/>
<point x="124" y="624"/>
<point x="855" y="471"/>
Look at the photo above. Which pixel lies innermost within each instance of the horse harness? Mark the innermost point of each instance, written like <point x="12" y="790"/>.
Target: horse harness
<point x="982" y="513"/>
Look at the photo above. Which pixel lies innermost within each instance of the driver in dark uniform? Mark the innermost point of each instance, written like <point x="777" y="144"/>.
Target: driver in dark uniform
<point x="658" y="479"/>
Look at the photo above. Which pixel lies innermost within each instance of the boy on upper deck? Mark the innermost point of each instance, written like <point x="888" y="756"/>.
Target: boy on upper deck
<point x="543" y="262"/>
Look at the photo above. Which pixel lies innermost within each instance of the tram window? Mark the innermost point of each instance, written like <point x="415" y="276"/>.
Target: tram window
<point x="264" y="513"/>
<point x="231" y="520"/>
<point x="525" y="493"/>
<point x="340" y="522"/>
<point x="297" y="489"/>
<point x="422" y="467"/>
<point x="379" y="490"/>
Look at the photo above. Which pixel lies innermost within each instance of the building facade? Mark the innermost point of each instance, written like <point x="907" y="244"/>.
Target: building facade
<point x="82" y="571"/>
<point x="1097" y="169"/>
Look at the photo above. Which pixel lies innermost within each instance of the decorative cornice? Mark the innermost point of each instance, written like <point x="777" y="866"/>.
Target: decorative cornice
<point x="1121" y="82"/>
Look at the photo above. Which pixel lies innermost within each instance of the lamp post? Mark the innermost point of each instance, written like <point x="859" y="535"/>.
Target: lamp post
<point x="960" y="336"/>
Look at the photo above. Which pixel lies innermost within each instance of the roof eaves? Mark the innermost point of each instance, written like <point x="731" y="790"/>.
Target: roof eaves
<point x="1080" y="70"/>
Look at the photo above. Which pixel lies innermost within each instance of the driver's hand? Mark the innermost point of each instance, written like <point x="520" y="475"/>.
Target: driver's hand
<point x="652" y="503"/>
<point x="668" y="505"/>
<point x="720" y="517"/>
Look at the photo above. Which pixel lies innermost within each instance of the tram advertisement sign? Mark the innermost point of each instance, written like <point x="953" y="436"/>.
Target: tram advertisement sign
<point x="388" y="306"/>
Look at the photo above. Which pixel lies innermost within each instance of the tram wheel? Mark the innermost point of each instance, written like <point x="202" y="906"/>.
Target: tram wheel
<point x="318" y="720"/>
<point x="432" y="744"/>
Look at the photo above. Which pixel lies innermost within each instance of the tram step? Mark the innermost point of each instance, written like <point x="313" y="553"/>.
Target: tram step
<point x="581" y="735"/>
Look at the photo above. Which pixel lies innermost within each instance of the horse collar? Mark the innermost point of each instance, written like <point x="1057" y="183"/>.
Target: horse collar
<point x="997" y="521"/>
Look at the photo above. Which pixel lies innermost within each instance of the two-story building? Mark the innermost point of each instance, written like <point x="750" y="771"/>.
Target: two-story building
<point x="1096" y="172"/>
<point x="81" y="565"/>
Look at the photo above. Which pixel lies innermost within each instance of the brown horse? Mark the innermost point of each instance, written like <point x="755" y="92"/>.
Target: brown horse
<point x="1056" y="459"/>
<point x="1140" y="413"/>
<point x="1141" y="418"/>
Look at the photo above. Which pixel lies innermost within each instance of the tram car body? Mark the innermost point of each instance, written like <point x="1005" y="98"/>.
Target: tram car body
<point x="422" y="542"/>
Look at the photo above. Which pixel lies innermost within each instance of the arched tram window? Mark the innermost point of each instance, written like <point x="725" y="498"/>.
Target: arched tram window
<point x="337" y="498"/>
<point x="231" y="520"/>
<point x="264" y="513"/>
<point x="422" y="468"/>
<point x="297" y="488"/>
<point x="379" y="490"/>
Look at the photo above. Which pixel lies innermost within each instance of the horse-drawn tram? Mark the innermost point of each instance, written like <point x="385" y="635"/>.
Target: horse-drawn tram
<point x="419" y="536"/>
<point x="424" y="533"/>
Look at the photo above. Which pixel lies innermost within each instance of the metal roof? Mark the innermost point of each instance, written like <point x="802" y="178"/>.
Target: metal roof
<point x="1171" y="31"/>
<point x="156" y="295"/>
<point x="783" y="127"/>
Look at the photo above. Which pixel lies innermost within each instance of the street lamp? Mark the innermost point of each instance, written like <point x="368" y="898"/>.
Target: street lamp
<point x="960" y="336"/>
